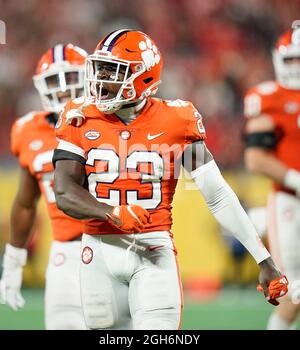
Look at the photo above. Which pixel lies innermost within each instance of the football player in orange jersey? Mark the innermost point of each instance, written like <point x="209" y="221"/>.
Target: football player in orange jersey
<point x="272" y="138"/>
<point x="116" y="166"/>
<point x="59" y="77"/>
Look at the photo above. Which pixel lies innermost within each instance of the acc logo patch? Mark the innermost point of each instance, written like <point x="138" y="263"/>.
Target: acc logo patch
<point x="92" y="135"/>
<point x="87" y="255"/>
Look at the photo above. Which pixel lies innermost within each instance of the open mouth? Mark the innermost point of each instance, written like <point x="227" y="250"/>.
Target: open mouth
<point x="104" y="93"/>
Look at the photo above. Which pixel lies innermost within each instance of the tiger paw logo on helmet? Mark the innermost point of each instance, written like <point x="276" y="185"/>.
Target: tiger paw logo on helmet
<point x="150" y="54"/>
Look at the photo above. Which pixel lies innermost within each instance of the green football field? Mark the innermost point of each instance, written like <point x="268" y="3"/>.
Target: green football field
<point x="231" y="309"/>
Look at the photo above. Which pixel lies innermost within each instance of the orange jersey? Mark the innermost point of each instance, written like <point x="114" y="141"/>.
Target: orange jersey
<point x="283" y="107"/>
<point x="33" y="141"/>
<point x="135" y="163"/>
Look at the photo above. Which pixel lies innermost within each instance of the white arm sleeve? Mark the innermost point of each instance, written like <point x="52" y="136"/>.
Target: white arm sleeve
<point x="226" y="208"/>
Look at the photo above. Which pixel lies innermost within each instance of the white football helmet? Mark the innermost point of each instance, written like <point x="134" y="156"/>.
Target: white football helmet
<point x="60" y="76"/>
<point x="286" y="58"/>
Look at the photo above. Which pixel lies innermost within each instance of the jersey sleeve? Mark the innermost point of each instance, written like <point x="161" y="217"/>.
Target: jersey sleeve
<point x="69" y="139"/>
<point x="195" y="130"/>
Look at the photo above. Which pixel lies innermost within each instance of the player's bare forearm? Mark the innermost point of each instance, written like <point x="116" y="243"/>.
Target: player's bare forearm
<point x="22" y="220"/>
<point x="263" y="162"/>
<point x="77" y="202"/>
<point x="71" y="197"/>
<point x="269" y="265"/>
<point x="24" y="209"/>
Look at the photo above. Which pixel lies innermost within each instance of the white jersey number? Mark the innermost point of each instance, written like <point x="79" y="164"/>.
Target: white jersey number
<point x="252" y="105"/>
<point x="113" y="172"/>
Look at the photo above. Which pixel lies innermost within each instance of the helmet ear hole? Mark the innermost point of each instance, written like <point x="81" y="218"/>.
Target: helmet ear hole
<point x="147" y="80"/>
<point x="137" y="68"/>
<point x="128" y="93"/>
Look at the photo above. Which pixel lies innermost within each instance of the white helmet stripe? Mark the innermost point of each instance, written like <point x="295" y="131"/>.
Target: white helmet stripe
<point x="108" y="41"/>
<point x="58" y="53"/>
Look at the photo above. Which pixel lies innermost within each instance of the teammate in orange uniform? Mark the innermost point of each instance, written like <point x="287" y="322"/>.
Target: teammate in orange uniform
<point x="59" y="77"/>
<point x="273" y="147"/>
<point x="116" y="166"/>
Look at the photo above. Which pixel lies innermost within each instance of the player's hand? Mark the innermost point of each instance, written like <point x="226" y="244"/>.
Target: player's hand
<point x="11" y="281"/>
<point x="272" y="283"/>
<point x="131" y="218"/>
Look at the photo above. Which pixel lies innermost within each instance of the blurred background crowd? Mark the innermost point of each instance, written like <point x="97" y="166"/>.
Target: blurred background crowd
<point x="214" y="50"/>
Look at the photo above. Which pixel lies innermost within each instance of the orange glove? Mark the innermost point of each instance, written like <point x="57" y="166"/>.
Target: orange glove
<point x="131" y="218"/>
<point x="277" y="288"/>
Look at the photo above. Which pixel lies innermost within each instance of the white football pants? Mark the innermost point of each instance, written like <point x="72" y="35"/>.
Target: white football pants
<point x="130" y="281"/>
<point x="62" y="295"/>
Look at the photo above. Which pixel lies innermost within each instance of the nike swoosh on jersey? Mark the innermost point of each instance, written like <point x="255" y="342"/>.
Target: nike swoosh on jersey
<point x="151" y="137"/>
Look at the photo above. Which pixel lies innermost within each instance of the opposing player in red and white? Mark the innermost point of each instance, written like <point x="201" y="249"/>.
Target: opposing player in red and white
<point x="272" y="110"/>
<point x="59" y="77"/>
<point x="119" y="169"/>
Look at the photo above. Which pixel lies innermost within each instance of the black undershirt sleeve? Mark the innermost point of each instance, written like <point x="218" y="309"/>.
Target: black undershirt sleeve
<point x="60" y="154"/>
